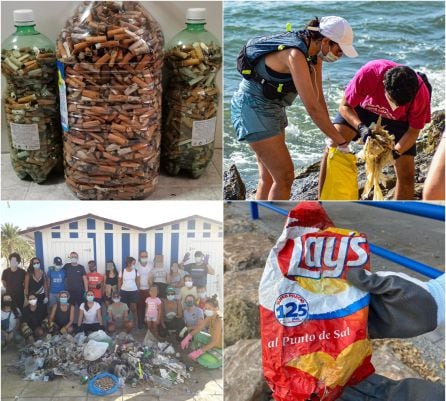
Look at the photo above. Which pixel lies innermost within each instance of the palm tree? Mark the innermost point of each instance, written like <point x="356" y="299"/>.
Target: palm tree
<point x="13" y="242"/>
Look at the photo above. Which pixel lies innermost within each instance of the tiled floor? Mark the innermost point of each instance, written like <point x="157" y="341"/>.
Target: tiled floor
<point x="204" y="385"/>
<point x="207" y="187"/>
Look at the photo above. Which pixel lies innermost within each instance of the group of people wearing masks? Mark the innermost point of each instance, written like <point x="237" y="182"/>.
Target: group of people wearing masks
<point x="381" y="88"/>
<point x="67" y="299"/>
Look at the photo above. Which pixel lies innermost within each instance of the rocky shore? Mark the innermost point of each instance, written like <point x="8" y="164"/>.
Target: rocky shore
<point x="306" y="180"/>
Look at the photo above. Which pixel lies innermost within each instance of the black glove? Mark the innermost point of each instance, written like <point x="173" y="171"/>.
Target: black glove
<point x="380" y="388"/>
<point x="395" y="154"/>
<point x="400" y="306"/>
<point x="364" y="132"/>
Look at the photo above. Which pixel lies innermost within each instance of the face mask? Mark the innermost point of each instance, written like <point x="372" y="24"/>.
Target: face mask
<point x="13" y="263"/>
<point x="33" y="302"/>
<point x="73" y="261"/>
<point x="202" y="295"/>
<point x="188" y="284"/>
<point x="36" y="265"/>
<point x="189" y="303"/>
<point x="63" y="301"/>
<point x="392" y="104"/>
<point x="116" y="300"/>
<point x="90" y="298"/>
<point x="209" y="313"/>
<point x="132" y="267"/>
<point x="143" y="260"/>
<point x="329" y="57"/>
<point x="58" y="267"/>
<point x="171" y="297"/>
<point x="199" y="260"/>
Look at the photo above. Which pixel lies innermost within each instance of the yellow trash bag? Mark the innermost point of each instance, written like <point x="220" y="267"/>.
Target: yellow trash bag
<point x="341" y="182"/>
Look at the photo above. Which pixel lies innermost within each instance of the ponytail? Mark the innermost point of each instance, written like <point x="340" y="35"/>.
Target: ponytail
<point x="312" y="28"/>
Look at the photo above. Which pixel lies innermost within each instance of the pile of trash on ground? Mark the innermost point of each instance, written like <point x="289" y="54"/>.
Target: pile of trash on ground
<point x="85" y="357"/>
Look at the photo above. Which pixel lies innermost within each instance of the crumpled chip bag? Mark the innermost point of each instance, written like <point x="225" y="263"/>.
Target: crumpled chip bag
<point x="313" y="322"/>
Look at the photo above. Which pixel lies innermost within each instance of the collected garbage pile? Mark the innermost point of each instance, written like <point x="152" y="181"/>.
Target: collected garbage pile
<point x="84" y="357"/>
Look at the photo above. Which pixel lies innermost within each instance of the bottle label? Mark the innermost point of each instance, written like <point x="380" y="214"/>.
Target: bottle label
<point x="203" y="131"/>
<point x="25" y="136"/>
<point x="62" y="96"/>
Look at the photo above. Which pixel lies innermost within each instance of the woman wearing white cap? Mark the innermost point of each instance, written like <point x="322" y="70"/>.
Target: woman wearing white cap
<point x="283" y="66"/>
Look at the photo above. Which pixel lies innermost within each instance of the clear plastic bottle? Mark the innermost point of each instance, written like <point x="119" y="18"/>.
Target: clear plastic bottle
<point x="110" y="58"/>
<point x="31" y="102"/>
<point x="193" y="57"/>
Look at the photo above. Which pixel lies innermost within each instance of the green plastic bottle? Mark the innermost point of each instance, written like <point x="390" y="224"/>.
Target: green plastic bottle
<point x="31" y="101"/>
<point x="193" y="58"/>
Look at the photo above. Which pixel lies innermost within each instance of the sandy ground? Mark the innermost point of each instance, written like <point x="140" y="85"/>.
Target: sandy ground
<point x="204" y="385"/>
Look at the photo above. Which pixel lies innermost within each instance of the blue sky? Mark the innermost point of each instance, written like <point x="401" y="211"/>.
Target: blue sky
<point x="26" y="214"/>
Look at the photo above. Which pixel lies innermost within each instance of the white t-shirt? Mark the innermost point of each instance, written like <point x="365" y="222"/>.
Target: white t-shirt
<point x="144" y="274"/>
<point x="12" y="320"/>
<point x="90" y="315"/>
<point x="129" y="280"/>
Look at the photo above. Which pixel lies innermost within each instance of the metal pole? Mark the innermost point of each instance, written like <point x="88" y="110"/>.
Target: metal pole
<point x="277" y="209"/>
<point x="254" y="210"/>
<point x="406" y="262"/>
<point x="422" y="209"/>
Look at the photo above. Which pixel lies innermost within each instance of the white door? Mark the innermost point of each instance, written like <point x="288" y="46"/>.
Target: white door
<point x="214" y="248"/>
<point x="63" y="248"/>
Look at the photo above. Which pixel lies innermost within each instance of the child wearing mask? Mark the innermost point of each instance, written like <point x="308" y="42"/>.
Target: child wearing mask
<point x="202" y="296"/>
<point x="153" y="311"/>
<point x="10" y="320"/>
<point x="172" y="313"/>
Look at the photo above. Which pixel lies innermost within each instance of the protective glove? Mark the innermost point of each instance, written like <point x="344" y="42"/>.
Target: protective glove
<point x="400" y="306"/>
<point x="206" y="259"/>
<point x="396" y="155"/>
<point x="186" y="341"/>
<point x="45" y="300"/>
<point x="186" y="257"/>
<point x="196" y="354"/>
<point x="364" y="132"/>
<point x="380" y="388"/>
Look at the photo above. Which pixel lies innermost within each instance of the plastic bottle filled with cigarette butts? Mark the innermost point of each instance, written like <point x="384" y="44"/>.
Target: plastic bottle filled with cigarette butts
<point x="31" y="102"/>
<point x="193" y="57"/>
<point x="110" y="57"/>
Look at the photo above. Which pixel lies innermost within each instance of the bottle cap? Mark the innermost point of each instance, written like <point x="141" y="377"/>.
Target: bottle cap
<point x="23" y="17"/>
<point x="196" y="15"/>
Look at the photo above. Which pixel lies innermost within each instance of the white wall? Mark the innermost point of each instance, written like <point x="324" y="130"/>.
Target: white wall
<point x="50" y="18"/>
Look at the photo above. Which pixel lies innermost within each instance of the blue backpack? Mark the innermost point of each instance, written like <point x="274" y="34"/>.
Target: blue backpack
<point x="259" y="46"/>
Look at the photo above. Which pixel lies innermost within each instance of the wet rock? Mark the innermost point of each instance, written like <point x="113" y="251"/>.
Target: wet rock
<point x="306" y="180"/>
<point x="242" y="320"/>
<point x="234" y="187"/>
<point x="244" y="379"/>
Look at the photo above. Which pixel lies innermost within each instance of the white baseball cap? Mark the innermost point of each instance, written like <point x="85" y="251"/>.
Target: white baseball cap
<point x="338" y="30"/>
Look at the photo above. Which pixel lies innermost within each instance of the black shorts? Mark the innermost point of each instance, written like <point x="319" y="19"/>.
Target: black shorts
<point x="129" y="297"/>
<point x="76" y="297"/>
<point x="396" y="128"/>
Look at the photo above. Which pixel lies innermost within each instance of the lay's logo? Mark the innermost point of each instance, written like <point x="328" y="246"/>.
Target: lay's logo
<point x="324" y="254"/>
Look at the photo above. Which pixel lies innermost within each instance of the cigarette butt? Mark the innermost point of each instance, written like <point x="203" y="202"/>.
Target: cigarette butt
<point x="80" y="46"/>
<point x="112" y="32"/>
<point x="110" y="43"/>
<point x="114" y="137"/>
<point x="126" y="59"/>
<point x="192" y="61"/>
<point x="96" y="39"/>
<point x="27" y="99"/>
<point x="75" y="82"/>
<point x="61" y="49"/>
<point x="90" y="94"/>
<point x="110" y="157"/>
<point x="139" y="81"/>
<point x="144" y="61"/>
<point x="118" y="127"/>
<point x="77" y="140"/>
<point x="103" y="60"/>
<point x="113" y="58"/>
<point x="91" y="124"/>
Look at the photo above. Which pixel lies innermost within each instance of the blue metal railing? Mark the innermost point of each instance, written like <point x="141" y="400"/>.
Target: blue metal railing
<point x="429" y="210"/>
<point x="433" y="213"/>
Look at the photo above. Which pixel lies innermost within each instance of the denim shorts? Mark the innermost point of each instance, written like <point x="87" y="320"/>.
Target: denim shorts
<point x="255" y="117"/>
<point x="396" y="128"/>
<point x="129" y="297"/>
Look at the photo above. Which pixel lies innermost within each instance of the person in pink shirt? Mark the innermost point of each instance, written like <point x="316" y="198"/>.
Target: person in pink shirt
<point x="153" y="311"/>
<point x="400" y="96"/>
